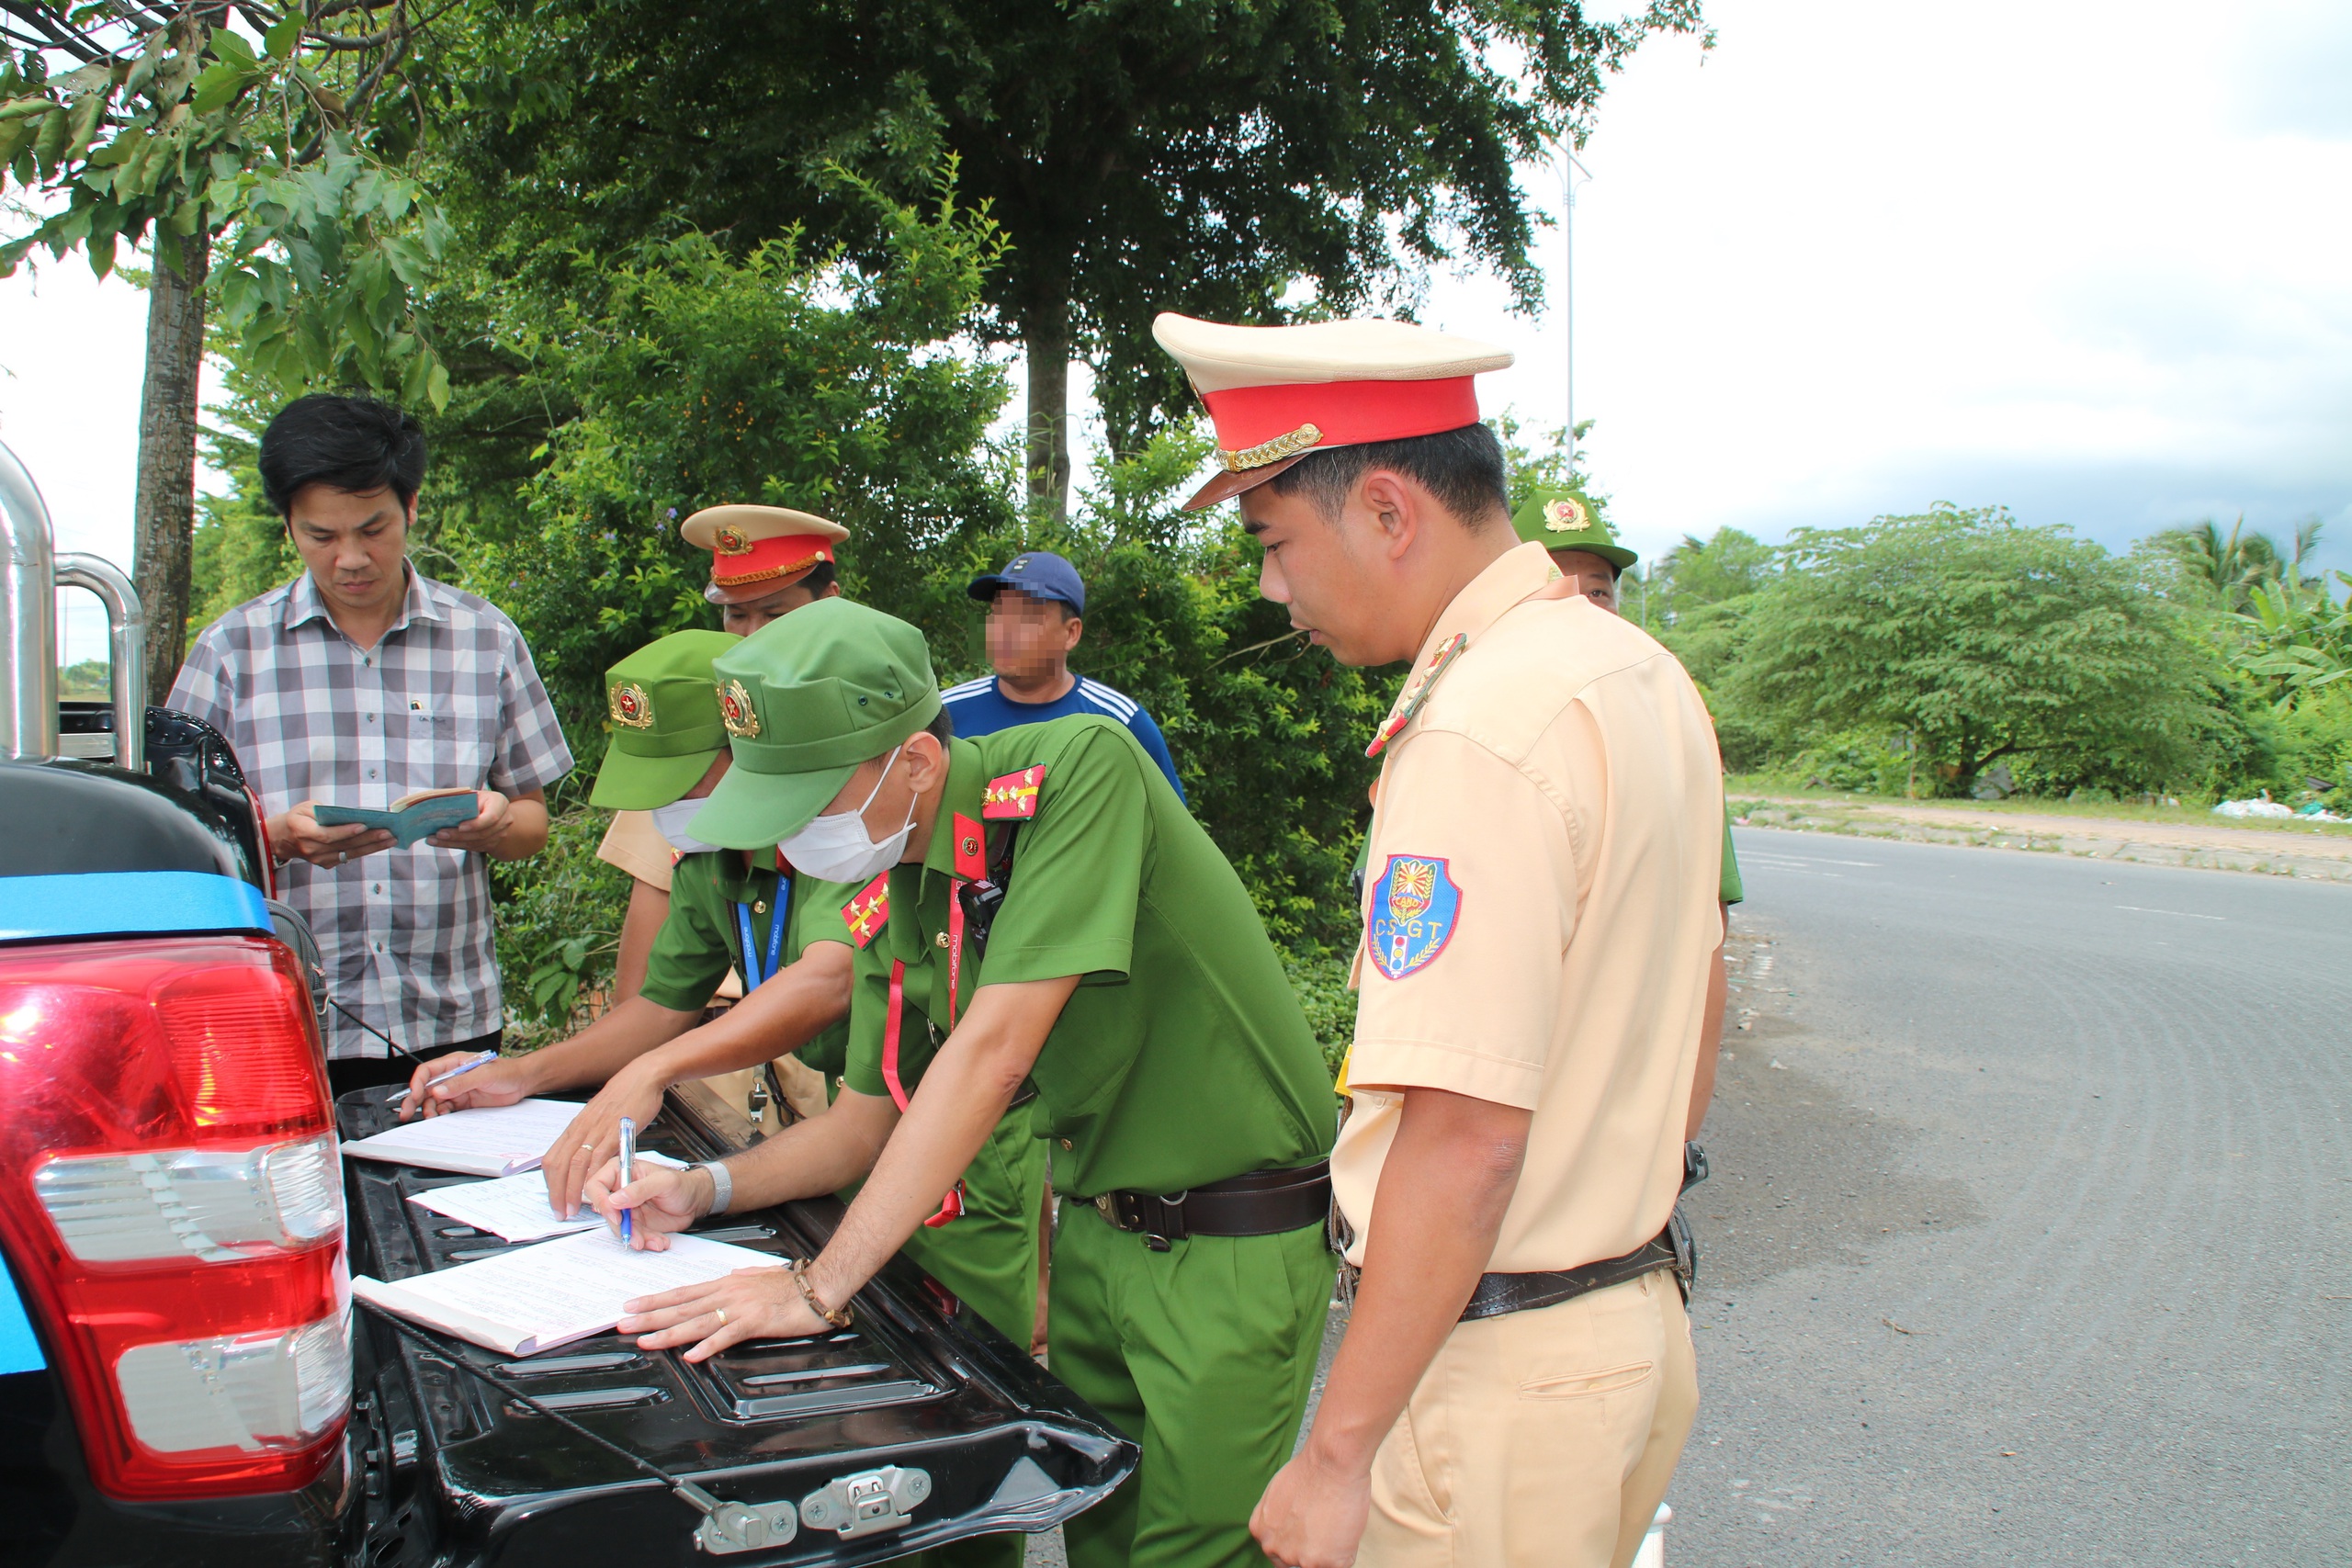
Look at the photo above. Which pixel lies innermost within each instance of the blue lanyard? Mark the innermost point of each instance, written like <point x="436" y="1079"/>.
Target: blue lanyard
<point x="751" y="980"/>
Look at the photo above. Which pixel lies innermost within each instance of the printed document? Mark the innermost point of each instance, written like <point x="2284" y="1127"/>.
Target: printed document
<point x="537" y="1298"/>
<point x="515" y="1208"/>
<point x="496" y="1140"/>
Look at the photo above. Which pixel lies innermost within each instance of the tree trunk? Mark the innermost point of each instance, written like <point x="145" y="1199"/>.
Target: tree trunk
<point x="166" y="504"/>
<point x="1046" y="338"/>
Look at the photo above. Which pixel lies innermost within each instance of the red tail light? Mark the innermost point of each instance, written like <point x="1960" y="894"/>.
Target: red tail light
<point x="170" y="1191"/>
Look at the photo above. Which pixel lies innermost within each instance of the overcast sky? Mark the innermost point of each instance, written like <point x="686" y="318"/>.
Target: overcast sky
<point x="2086" y="260"/>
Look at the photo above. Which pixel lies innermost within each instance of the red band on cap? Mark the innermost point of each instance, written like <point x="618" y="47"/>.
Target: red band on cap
<point x="1348" y="414"/>
<point x="769" y="557"/>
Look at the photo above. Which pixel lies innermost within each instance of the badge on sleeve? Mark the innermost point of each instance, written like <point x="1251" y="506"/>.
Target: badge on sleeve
<point x="1415" y="906"/>
<point x="1013" y="796"/>
<point x="869" y="912"/>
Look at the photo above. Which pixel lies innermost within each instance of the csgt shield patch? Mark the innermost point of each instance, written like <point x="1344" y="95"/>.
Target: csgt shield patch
<point x="1415" y="906"/>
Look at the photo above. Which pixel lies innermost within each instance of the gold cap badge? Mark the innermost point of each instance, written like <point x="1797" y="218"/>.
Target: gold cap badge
<point x="631" y="708"/>
<point x="735" y="711"/>
<point x="1566" y="516"/>
<point x="730" y="542"/>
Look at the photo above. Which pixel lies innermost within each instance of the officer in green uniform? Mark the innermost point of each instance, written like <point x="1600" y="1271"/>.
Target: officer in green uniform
<point x="669" y="749"/>
<point x="1569" y="525"/>
<point x="1042" y="917"/>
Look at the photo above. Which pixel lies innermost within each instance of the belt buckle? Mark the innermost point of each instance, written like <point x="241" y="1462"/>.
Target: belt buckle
<point x="1123" y="1211"/>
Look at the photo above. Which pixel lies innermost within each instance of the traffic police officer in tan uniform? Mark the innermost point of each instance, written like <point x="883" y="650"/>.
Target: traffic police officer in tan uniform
<point x="1517" y="1379"/>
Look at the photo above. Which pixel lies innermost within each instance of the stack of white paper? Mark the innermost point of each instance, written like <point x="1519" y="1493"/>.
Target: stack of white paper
<point x="493" y="1140"/>
<point x="539" y="1297"/>
<point x="515" y="1207"/>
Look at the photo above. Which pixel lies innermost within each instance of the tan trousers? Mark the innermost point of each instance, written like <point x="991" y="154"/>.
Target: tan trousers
<point x="1540" y="1439"/>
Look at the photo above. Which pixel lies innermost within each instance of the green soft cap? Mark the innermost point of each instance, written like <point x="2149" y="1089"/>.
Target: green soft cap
<point x="1567" y="520"/>
<point x="805" y="700"/>
<point x="663" y="713"/>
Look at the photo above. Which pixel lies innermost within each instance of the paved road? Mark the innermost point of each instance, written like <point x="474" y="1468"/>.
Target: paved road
<point x="2080" y="1130"/>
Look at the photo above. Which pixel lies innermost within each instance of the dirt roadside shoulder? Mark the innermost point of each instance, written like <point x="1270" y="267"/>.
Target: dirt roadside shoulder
<point x="2323" y="857"/>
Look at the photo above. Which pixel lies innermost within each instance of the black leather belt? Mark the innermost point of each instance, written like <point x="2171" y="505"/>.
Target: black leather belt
<point x="1264" y="1202"/>
<point x="1500" y="1293"/>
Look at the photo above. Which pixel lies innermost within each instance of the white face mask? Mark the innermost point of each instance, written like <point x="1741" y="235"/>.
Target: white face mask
<point x="671" y="821"/>
<point x="837" y="848"/>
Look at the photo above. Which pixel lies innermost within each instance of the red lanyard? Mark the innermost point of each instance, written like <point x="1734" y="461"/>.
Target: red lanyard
<point x="968" y="866"/>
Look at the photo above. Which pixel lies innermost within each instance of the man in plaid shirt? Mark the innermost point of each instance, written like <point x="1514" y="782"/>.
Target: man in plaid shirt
<point x="358" y="683"/>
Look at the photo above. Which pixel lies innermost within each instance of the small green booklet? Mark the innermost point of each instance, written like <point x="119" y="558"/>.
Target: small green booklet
<point x="411" y="816"/>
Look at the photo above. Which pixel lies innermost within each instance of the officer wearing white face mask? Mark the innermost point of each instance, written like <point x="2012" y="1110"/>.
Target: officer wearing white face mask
<point x="778" y="929"/>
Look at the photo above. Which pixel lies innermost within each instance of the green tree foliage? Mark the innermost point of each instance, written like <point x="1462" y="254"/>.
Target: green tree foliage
<point x="696" y="378"/>
<point x="163" y="125"/>
<point x="1978" y="639"/>
<point x="2231" y="569"/>
<point x="2294" y="637"/>
<point x="1203" y="157"/>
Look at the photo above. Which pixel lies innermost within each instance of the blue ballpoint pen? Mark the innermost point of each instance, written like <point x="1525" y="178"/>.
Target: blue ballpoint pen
<point x="483" y="1060"/>
<point x="628" y="1166"/>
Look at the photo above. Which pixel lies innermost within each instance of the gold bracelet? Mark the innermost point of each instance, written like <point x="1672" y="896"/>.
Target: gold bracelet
<point x="837" y="1316"/>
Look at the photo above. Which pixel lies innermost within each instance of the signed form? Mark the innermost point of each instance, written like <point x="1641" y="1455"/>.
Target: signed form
<point x="514" y="1208"/>
<point x="496" y="1140"/>
<point x="537" y="1298"/>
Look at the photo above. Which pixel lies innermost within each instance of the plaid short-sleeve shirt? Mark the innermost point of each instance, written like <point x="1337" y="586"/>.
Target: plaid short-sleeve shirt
<point x="447" y="700"/>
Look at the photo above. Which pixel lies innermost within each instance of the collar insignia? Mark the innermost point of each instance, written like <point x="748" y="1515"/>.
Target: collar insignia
<point x="1012" y="797"/>
<point x="1416" y="692"/>
<point x="971" y="848"/>
<point x="867" y="913"/>
<point x="631" y="708"/>
<point x="736" y="712"/>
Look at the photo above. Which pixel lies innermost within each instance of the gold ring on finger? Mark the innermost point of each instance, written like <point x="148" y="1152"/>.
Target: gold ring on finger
<point x="722" y="1317"/>
<point x="587" y="1148"/>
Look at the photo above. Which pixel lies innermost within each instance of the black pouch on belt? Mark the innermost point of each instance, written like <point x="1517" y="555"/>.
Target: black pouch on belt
<point x="1264" y="1202"/>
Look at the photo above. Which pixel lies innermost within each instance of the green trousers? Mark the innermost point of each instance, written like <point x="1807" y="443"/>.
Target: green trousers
<point x="989" y="1257"/>
<point x="1204" y="1355"/>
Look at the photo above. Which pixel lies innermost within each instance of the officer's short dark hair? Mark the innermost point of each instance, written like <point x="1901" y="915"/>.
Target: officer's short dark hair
<point x="354" y="445"/>
<point x="941" y="728"/>
<point x="1463" y="469"/>
<point x="820" y="577"/>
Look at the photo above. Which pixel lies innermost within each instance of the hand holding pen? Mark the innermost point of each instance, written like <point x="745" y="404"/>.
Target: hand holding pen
<point x="481" y="1059"/>
<point x="629" y="1167"/>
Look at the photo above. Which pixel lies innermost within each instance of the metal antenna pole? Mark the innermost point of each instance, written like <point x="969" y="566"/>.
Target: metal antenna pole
<point x="1569" y="170"/>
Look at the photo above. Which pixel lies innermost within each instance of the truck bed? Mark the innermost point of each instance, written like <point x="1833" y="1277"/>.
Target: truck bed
<point x="458" y="1475"/>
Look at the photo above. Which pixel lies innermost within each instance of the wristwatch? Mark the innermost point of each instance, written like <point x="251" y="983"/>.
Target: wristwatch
<point x="722" y="1186"/>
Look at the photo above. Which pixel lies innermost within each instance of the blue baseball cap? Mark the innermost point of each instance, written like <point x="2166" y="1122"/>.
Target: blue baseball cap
<point x="1041" y="574"/>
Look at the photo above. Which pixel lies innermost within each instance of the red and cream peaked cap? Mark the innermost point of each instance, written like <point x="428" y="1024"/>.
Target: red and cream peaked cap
<point x="756" y="550"/>
<point x="1277" y="393"/>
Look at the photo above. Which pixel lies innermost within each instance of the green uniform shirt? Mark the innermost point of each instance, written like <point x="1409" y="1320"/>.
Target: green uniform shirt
<point x="1182" y="1058"/>
<point x="1733" y="891"/>
<point x="700" y="939"/>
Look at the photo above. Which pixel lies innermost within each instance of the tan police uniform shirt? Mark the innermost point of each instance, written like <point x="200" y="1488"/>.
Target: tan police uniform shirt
<point x="1541" y="913"/>
<point x="637" y="846"/>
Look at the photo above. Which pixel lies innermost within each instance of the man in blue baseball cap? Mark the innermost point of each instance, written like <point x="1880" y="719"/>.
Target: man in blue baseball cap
<point x="1037" y="607"/>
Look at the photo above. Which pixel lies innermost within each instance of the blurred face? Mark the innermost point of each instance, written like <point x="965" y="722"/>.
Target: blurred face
<point x="1594" y="578"/>
<point x="1324" y="571"/>
<point x="353" y="544"/>
<point x="746" y="618"/>
<point x="1030" y="638"/>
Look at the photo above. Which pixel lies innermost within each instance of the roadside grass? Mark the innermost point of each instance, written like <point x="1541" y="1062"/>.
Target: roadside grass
<point x="1742" y="790"/>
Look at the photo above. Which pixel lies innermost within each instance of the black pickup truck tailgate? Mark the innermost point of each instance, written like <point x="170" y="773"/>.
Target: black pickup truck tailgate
<point x="459" y="1474"/>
